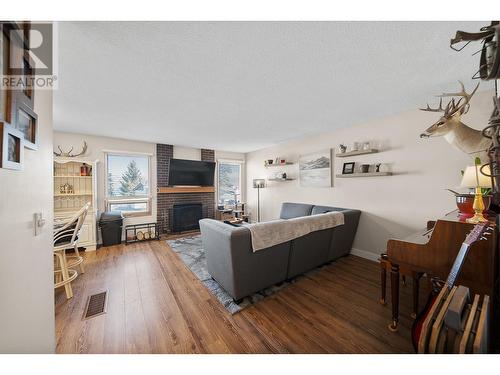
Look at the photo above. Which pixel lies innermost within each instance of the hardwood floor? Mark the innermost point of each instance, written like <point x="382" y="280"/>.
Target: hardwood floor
<point x="156" y="305"/>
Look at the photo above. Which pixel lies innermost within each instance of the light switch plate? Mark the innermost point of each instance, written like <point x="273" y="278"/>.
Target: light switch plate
<point x="38" y="222"/>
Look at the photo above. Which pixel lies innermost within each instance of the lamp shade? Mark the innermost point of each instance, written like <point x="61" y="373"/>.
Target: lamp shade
<point x="259" y="183"/>
<point x="469" y="178"/>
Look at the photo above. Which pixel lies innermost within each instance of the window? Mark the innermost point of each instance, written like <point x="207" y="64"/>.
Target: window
<point x="229" y="182"/>
<point x="128" y="184"/>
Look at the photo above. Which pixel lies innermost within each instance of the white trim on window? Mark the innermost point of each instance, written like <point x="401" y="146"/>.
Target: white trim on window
<point x="231" y="161"/>
<point x="108" y="201"/>
<point x="237" y="162"/>
<point x="127" y="153"/>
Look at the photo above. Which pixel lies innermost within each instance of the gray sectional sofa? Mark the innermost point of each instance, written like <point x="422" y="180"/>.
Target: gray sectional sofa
<point x="242" y="272"/>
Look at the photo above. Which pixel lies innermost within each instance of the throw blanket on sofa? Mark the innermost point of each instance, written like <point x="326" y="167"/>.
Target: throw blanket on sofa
<point x="272" y="233"/>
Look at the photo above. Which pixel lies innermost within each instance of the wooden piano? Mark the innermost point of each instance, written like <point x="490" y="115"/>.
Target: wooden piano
<point x="433" y="251"/>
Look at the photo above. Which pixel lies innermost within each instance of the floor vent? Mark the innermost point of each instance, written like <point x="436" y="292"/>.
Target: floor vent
<point x="96" y="305"/>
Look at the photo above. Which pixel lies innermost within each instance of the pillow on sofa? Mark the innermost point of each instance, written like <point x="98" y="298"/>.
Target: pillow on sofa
<point x="324" y="209"/>
<point x="291" y="210"/>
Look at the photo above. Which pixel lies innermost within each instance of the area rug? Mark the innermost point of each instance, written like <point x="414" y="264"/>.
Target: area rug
<point x="190" y="251"/>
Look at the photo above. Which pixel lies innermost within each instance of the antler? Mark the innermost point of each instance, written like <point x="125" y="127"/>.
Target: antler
<point x="462" y="105"/>
<point x="69" y="154"/>
<point x="429" y="109"/>
<point x="453" y="107"/>
<point x="60" y="153"/>
<point x="84" y="150"/>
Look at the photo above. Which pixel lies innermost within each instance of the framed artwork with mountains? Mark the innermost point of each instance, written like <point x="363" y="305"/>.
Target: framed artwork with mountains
<point x="315" y="169"/>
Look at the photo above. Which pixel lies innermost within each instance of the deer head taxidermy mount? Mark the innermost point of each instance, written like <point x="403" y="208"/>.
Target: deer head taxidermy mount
<point x="451" y="127"/>
<point x="69" y="154"/>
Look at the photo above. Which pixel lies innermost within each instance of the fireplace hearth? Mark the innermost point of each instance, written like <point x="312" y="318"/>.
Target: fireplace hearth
<point x="186" y="216"/>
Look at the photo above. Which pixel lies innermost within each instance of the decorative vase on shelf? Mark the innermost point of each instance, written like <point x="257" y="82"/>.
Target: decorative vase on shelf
<point x="84" y="170"/>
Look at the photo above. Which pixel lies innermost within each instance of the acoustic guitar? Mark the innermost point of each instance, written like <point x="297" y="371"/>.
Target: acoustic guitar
<point x="425" y="332"/>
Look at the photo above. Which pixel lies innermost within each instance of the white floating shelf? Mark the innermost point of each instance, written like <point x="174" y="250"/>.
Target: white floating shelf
<point x="370" y="174"/>
<point x="281" y="179"/>
<point x="355" y="153"/>
<point x="72" y="195"/>
<point x="279" y="164"/>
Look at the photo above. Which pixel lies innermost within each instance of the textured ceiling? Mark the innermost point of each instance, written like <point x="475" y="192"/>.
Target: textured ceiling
<point x="241" y="86"/>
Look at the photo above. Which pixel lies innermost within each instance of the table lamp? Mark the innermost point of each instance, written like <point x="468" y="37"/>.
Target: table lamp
<point x="258" y="183"/>
<point x="473" y="178"/>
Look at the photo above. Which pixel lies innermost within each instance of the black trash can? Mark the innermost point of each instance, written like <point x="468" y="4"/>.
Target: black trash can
<point x="111" y="228"/>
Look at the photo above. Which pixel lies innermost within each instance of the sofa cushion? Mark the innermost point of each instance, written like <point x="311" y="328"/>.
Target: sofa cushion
<point x="343" y="236"/>
<point x="324" y="209"/>
<point x="291" y="210"/>
<point x="309" y="251"/>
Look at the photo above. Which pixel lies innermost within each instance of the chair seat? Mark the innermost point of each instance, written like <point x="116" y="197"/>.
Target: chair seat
<point x="63" y="246"/>
<point x="66" y="245"/>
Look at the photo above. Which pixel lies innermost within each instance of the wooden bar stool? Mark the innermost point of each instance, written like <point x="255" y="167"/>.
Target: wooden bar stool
<point x="65" y="238"/>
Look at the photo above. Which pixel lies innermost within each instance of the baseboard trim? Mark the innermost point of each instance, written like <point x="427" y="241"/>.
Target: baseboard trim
<point x="365" y="254"/>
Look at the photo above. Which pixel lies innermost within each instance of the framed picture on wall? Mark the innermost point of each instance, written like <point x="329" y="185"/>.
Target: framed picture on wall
<point x="315" y="169"/>
<point x="5" y="95"/>
<point x="16" y="104"/>
<point x="11" y="147"/>
<point x="26" y="123"/>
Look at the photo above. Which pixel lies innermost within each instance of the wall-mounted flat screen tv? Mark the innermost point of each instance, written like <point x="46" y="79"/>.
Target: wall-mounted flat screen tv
<point x="191" y="173"/>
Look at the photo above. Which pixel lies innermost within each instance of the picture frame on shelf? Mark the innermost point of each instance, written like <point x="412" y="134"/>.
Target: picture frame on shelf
<point x="11" y="147"/>
<point x="348" y="168"/>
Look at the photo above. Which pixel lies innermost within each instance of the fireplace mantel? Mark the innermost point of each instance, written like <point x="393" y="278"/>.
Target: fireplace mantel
<point x="186" y="189"/>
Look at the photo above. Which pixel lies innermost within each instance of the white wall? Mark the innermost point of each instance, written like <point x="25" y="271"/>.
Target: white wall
<point x="95" y="151"/>
<point x="392" y="206"/>
<point x="26" y="269"/>
<point x="187" y="153"/>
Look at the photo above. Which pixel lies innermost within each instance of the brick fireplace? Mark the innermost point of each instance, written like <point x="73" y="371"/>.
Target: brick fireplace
<point x="167" y="200"/>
